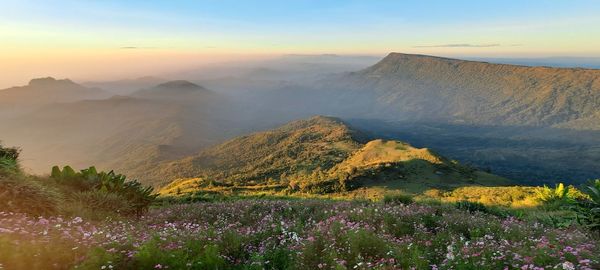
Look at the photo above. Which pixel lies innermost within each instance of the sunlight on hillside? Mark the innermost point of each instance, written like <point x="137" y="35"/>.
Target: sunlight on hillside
<point x="300" y="134"/>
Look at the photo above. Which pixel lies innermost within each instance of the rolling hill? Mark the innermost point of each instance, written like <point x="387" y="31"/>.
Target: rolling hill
<point x="316" y="154"/>
<point x="125" y="133"/>
<point x="180" y="90"/>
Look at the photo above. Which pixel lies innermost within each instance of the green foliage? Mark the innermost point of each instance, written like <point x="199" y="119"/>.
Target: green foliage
<point x="95" y="204"/>
<point x="9" y="153"/>
<point x="588" y="211"/>
<point x="557" y="197"/>
<point x="138" y="197"/>
<point x="471" y="206"/>
<point x="9" y="160"/>
<point x="307" y="147"/>
<point x="23" y="194"/>
<point x="397" y="198"/>
<point x="8" y="165"/>
<point x="510" y="196"/>
<point x="365" y="244"/>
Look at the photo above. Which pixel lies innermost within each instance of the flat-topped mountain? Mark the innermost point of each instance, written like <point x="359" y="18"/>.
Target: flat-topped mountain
<point x="317" y="153"/>
<point x="46" y="91"/>
<point x="419" y="87"/>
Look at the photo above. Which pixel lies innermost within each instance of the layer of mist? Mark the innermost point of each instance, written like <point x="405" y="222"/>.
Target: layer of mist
<point x="531" y="124"/>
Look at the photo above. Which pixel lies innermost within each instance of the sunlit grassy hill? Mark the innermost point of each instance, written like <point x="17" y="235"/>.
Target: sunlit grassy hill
<point x="320" y="155"/>
<point x="299" y="147"/>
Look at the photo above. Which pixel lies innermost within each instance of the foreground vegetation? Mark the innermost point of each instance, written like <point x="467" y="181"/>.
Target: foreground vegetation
<point x="86" y="193"/>
<point x="300" y="234"/>
<point x="101" y="220"/>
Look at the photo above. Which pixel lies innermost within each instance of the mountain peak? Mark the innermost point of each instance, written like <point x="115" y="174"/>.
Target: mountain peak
<point x="179" y="84"/>
<point x="395" y="58"/>
<point x="325" y="124"/>
<point x="323" y="119"/>
<point x="175" y="90"/>
<point x="50" y="81"/>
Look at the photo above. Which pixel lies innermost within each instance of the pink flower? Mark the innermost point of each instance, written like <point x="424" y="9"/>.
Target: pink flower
<point x="158" y="266"/>
<point x="43" y="221"/>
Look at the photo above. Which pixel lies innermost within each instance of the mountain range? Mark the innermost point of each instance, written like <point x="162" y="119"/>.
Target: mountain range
<point x="125" y="133"/>
<point x="404" y="87"/>
<point x="532" y="124"/>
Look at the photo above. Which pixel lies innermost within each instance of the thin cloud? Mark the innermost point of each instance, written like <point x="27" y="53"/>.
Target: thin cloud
<point x="134" y="48"/>
<point x="459" y="45"/>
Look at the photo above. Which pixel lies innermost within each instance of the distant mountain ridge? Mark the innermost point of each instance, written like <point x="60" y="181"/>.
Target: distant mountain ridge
<point x="177" y="90"/>
<point x="125" y="133"/>
<point x="426" y="88"/>
<point x="126" y="86"/>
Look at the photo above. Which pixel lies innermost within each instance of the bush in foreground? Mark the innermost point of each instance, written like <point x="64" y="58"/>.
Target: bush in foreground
<point x="588" y="211"/>
<point x="9" y="160"/>
<point x="397" y="198"/>
<point x="104" y="190"/>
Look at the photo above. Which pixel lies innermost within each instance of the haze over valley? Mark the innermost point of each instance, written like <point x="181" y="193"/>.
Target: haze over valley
<point x="530" y="124"/>
<point x="300" y="134"/>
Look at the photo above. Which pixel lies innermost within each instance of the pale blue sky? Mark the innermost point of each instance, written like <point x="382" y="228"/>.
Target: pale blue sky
<point x="44" y="33"/>
<point x="549" y="27"/>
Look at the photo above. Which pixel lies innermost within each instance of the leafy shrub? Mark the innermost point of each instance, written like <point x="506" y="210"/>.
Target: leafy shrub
<point x="9" y="153"/>
<point x="471" y="206"/>
<point x="365" y="244"/>
<point x="137" y="196"/>
<point x="20" y="194"/>
<point x="557" y="197"/>
<point x="99" y="202"/>
<point x="9" y="160"/>
<point x="314" y="254"/>
<point x="398" y="227"/>
<point x="397" y="198"/>
<point x="588" y="211"/>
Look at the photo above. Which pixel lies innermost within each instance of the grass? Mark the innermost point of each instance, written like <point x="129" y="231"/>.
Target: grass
<point x="295" y="234"/>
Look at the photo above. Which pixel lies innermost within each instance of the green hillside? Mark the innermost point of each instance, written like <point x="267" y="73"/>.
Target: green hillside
<point x="296" y="148"/>
<point x="319" y="155"/>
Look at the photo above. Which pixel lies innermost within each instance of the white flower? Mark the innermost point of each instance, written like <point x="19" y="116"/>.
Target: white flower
<point x="450" y="254"/>
<point x="568" y="266"/>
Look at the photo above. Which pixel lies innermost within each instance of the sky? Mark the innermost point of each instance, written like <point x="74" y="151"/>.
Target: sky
<point x="85" y="39"/>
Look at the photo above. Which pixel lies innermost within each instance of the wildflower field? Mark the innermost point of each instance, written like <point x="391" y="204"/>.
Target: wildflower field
<point x="294" y="234"/>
